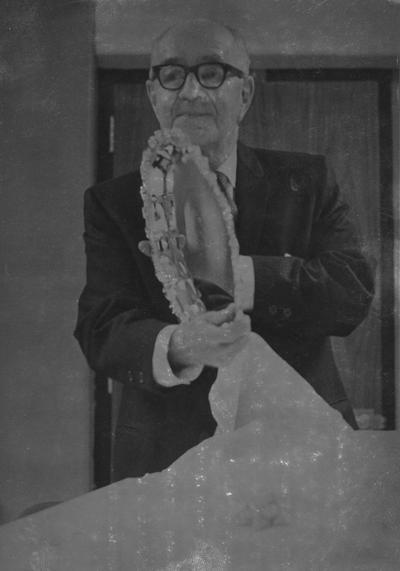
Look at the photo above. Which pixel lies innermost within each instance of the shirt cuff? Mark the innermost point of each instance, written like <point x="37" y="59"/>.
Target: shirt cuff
<point x="245" y="291"/>
<point x="162" y="371"/>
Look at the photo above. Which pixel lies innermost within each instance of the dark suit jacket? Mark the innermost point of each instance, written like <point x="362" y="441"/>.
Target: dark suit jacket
<point x="311" y="281"/>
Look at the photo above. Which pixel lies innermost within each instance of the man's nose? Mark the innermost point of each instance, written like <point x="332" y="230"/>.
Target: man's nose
<point x="191" y="89"/>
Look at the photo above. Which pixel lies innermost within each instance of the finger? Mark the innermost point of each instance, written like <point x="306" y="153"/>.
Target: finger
<point x="222" y="352"/>
<point x="205" y="332"/>
<point x="211" y="335"/>
<point x="239" y="326"/>
<point x="222" y="316"/>
<point x="229" y="332"/>
<point x="145" y="247"/>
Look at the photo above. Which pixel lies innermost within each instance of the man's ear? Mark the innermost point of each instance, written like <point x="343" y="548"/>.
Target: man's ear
<point x="247" y="94"/>
<point x="151" y="92"/>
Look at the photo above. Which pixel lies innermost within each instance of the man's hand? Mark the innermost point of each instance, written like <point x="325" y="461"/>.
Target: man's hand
<point x="213" y="338"/>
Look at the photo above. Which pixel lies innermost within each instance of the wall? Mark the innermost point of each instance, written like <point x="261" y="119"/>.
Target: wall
<point x="274" y="29"/>
<point x="46" y="162"/>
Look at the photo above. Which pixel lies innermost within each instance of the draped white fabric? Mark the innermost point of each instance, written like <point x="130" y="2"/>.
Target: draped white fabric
<point x="293" y="487"/>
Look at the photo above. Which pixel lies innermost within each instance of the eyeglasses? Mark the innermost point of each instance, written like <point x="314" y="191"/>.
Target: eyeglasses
<point x="209" y="75"/>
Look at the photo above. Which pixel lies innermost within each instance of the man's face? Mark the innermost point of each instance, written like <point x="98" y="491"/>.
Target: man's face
<point x="210" y="117"/>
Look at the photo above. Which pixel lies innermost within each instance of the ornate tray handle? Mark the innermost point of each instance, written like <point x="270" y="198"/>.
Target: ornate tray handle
<point x="179" y="193"/>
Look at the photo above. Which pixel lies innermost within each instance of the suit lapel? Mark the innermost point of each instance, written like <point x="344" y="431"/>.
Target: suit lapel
<point x="251" y="195"/>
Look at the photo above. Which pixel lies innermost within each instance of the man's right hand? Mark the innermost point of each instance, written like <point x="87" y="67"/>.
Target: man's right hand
<point x="212" y="338"/>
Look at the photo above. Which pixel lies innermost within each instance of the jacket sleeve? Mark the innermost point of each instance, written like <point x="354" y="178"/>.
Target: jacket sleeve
<point x="116" y="326"/>
<point x="328" y="292"/>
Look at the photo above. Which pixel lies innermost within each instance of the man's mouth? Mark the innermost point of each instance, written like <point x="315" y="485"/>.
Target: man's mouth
<point x="191" y="113"/>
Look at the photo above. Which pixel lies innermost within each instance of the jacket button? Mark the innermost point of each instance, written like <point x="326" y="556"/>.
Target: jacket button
<point x="294" y="184"/>
<point x="130" y="376"/>
<point x="287" y="312"/>
<point x="273" y="309"/>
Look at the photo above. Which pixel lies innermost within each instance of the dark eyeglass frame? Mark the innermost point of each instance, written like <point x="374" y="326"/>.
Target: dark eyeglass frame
<point x="226" y="67"/>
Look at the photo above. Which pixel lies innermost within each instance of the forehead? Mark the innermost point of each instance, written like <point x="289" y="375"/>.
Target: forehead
<point x="193" y="43"/>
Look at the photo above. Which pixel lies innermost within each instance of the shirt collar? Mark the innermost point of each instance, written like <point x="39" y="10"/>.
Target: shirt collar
<point x="228" y="167"/>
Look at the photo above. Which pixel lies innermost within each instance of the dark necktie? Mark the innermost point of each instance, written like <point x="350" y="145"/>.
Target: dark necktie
<point x="227" y="189"/>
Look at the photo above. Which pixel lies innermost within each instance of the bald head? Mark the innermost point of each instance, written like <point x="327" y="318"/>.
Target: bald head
<point x="223" y="42"/>
<point x="209" y="115"/>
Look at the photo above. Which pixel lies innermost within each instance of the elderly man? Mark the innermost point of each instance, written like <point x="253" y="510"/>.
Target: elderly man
<point x="305" y="278"/>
